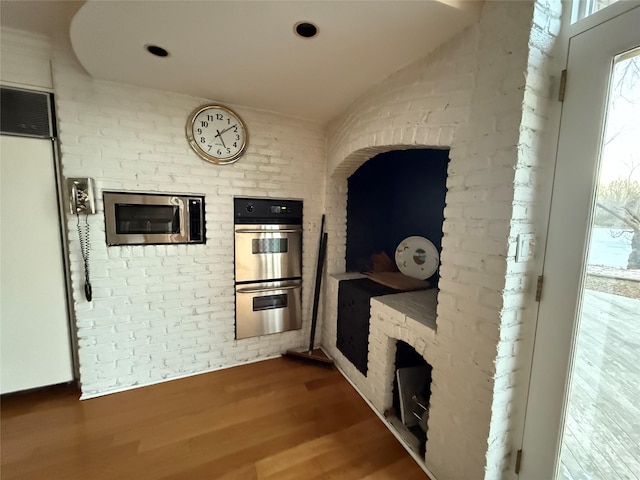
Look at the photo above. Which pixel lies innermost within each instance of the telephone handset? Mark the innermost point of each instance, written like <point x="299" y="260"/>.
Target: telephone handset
<point x="82" y="200"/>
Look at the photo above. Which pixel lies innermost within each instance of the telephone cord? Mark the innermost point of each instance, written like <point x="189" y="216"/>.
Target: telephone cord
<point x="83" y="237"/>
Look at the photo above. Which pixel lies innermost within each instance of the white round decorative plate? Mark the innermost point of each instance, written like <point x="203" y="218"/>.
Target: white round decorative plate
<point x="417" y="257"/>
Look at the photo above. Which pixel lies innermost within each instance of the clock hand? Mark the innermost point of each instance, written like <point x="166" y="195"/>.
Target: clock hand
<point x="226" y="129"/>
<point x="219" y="135"/>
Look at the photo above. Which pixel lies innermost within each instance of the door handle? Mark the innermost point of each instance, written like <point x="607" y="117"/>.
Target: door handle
<point x="269" y="289"/>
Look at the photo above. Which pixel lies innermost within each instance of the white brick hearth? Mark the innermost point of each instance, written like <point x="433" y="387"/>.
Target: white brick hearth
<point x="409" y="317"/>
<point x="485" y="96"/>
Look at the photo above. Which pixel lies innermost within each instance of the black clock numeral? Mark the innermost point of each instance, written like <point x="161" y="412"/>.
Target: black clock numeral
<point x="209" y="147"/>
<point x="235" y="144"/>
<point x="228" y="150"/>
<point x="235" y="129"/>
<point x="219" y="116"/>
<point x="237" y="137"/>
<point x="219" y="152"/>
<point x="199" y="131"/>
<point x="203" y="140"/>
<point x="228" y="121"/>
<point x="204" y="123"/>
<point x="210" y="118"/>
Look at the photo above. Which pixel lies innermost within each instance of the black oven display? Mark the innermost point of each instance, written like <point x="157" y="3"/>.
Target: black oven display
<point x="270" y="302"/>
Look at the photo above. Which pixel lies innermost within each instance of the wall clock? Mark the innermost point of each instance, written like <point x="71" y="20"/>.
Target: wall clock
<point x="217" y="134"/>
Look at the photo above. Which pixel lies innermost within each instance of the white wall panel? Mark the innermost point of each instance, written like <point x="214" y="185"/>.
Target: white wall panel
<point x="35" y="342"/>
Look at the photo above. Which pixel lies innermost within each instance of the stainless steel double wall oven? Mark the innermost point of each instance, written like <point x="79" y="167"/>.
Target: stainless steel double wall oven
<point x="268" y="265"/>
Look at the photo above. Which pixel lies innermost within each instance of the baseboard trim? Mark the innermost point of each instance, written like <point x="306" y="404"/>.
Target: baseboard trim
<point x="89" y="396"/>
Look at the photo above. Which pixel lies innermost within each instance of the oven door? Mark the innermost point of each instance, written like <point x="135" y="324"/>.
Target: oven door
<point x="267" y="252"/>
<point x="267" y="307"/>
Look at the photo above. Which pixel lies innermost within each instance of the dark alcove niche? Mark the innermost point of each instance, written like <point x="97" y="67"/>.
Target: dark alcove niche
<point x="392" y="196"/>
<point x="416" y="390"/>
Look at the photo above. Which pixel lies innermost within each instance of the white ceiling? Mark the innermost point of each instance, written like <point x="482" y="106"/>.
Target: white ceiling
<point x="245" y="52"/>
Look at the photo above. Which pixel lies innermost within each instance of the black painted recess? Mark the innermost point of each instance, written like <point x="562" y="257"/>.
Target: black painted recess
<point x="392" y="196"/>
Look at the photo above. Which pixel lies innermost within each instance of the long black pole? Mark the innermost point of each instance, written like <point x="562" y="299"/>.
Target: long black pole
<point x="322" y="248"/>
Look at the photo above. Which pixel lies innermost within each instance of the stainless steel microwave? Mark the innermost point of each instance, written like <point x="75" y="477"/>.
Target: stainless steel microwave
<point x="153" y="218"/>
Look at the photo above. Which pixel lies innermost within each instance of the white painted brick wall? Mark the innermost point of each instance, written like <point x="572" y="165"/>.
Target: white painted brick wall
<point x="366" y="130"/>
<point x="532" y="172"/>
<point x="477" y="95"/>
<point x="161" y="312"/>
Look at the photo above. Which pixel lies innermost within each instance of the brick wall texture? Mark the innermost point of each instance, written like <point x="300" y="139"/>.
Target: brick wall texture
<point x="161" y="312"/>
<point x="485" y="96"/>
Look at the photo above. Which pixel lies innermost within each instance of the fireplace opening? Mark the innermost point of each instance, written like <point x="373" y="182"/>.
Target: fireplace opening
<point x="411" y="393"/>
<point x="392" y="196"/>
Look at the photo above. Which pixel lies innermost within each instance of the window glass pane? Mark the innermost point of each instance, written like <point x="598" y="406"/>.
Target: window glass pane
<point x="601" y="438"/>
<point x="585" y="8"/>
<point x="147" y="219"/>
<point x="269" y="245"/>
<point x="270" y="302"/>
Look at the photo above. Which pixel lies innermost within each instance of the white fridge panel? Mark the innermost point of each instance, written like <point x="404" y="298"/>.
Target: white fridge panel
<point x="35" y="345"/>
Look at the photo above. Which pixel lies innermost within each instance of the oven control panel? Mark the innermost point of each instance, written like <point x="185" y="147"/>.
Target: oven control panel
<point x="281" y="209"/>
<point x="267" y="211"/>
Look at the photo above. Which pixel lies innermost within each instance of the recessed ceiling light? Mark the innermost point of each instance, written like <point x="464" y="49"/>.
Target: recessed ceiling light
<point x="305" y="29"/>
<point x="156" y="50"/>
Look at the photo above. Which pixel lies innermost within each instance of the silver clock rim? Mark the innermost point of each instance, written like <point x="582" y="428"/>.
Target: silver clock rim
<point x="201" y="153"/>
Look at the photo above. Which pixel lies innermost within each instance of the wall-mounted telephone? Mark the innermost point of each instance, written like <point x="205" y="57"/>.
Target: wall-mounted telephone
<point x="82" y="201"/>
<point x="81" y="198"/>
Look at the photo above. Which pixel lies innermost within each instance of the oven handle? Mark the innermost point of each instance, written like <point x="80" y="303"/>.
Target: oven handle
<point x="271" y="289"/>
<point x="266" y="230"/>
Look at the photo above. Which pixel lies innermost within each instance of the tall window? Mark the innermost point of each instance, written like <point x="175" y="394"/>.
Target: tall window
<point x="584" y="8"/>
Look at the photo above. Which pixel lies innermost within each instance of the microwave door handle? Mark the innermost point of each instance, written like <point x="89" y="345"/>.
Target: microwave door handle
<point x="266" y="230"/>
<point x="260" y="290"/>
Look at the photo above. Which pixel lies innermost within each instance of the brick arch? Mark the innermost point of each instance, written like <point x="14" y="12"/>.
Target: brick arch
<point x="469" y="95"/>
<point x="376" y="387"/>
<point x="356" y="159"/>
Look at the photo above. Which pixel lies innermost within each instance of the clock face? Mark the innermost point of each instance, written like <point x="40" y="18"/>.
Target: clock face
<point x="217" y="134"/>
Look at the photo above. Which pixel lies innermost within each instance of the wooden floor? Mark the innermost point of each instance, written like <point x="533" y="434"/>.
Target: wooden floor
<point x="602" y="431"/>
<point x="278" y="419"/>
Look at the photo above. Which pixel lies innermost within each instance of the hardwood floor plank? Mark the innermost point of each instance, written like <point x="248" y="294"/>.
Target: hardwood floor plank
<point x="346" y="454"/>
<point x="273" y="419"/>
<point x="403" y="468"/>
